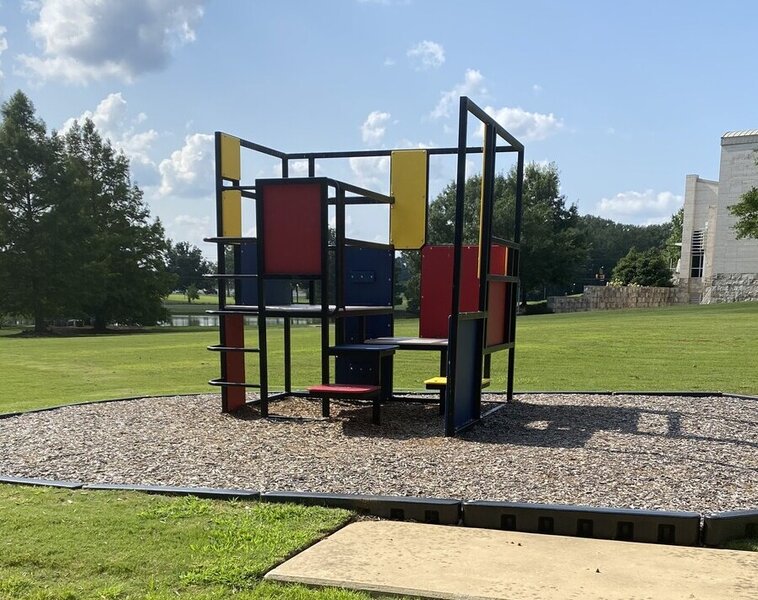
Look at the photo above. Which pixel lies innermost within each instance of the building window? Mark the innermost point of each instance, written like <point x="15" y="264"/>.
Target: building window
<point x="697" y="253"/>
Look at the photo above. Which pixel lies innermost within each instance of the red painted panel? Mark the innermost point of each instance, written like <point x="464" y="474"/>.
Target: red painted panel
<point x="234" y="362"/>
<point x="292" y="228"/>
<point x="437" y="286"/>
<point x="498" y="260"/>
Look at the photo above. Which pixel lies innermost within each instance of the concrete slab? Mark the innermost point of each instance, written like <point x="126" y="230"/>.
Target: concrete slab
<point x="436" y="561"/>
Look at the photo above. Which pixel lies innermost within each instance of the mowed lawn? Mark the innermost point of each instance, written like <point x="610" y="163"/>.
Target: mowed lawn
<point x="67" y="545"/>
<point x="683" y="348"/>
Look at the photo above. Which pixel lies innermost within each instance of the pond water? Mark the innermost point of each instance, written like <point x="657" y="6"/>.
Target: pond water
<point x="212" y="321"/>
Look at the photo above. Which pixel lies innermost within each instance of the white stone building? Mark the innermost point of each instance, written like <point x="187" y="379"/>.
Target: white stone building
<point x="715" y="265"/>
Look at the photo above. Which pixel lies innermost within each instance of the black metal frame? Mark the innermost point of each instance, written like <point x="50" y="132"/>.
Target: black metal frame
<point x="492" y="132"/>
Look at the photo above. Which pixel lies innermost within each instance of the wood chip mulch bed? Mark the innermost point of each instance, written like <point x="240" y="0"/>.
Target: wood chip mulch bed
<point x="652" y="452"/>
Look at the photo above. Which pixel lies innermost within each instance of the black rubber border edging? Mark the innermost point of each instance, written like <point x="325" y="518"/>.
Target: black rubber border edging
<point x="632" y="525"/>
<point x="86" y="402"/>
<point x="170" y="490"/>
<point x="724" y="526"/>
<point x="442" y="511"/>
<point x="69" y="485"/>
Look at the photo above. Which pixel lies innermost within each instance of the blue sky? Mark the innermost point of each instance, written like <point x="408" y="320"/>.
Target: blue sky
<point x="626" y="98"/>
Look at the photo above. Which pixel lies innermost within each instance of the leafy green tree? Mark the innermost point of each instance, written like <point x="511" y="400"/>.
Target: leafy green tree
<point x="188" y="264"/>
<point x="191" y="293"/>
<point x="609" y="241"/>
<point x="123" y="275"/>
<point x="673" y="249"/>
<point x="648" y="268"/>
<point x="746" y="211"/>
<point x="34" y="245"/>
<point x="552" y="247"/>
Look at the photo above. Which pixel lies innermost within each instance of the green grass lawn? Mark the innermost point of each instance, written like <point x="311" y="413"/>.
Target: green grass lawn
<point x="70" y="545"/>
<point x="63" y="545"/>
<point x="678" y="348"/>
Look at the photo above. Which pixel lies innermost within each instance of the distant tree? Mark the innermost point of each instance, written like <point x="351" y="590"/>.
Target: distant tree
<point x="648" y="268"/>
<point x="609" y="241"/>
<point x="674" y="240"/>
<point x="188" y="264"/>
<point x="34" y="244"/>
<point x="746" y="211"/>
<point x="552" y="248"/>
<point x="123" y="275"/>
<point x="191" y="293"/>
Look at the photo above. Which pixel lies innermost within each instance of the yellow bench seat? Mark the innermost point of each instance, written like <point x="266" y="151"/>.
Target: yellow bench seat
<point x="440" y="383"/>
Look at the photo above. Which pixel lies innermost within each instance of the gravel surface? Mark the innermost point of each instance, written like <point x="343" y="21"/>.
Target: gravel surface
<point x="653" y="452"/>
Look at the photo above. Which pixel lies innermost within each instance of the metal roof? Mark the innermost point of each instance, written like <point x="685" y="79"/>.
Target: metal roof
<point x="743" y="133"/>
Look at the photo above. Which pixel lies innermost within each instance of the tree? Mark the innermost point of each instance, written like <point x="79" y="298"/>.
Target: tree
<point x="552" y="248"/>
<point x="648" y="268"/>
<point x="123" y="275"/>
<point x="34" y="245"/>
<point x="673" y="249"/>
<point x="609" y="241"/>
<point x="746" y="211"/>
<point x="191" y="293"/>
<point x="187" y="263"/>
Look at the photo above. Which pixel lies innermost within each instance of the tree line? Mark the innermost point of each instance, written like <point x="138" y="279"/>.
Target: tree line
<point x="561" y="251"/>
<point x="76" y="238"/>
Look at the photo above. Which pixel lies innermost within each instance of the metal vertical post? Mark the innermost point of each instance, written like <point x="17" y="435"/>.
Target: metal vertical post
<point x="460" y="198"/>
<point x="515" y="264"/>
<point x="261" y="288"/>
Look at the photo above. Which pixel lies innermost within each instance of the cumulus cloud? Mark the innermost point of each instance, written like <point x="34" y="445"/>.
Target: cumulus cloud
<point x="473" y="83"/>
<point x="427" y="55"/>
<point x="374" y="126"/>
<point x="113" y="120"/>
<point x="639" y="208"/>
<point x="371" y="172"/>
<point x="189" y="170"/>
<point x="3" y="44"/>
<point x="84" y="40"/>
<point x="190" y="228"/>
<point x="526" y="126"/>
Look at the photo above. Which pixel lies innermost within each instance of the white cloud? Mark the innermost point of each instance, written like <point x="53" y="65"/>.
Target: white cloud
<point x="371" y="172"/>
<point x="526" y="126"/>
<point x="473" y="83"/>
<point x="639" y="208"/>
<point x="112" y="119"/>
<point x="189" y="228"/>
<point x="374" y="126"/>
<point x="536" y="88"/>
<point x="389" y="62"/>
<point x="189" y="170"/>
<point x="3" y="44"/>
<point x="427" y="55"/>
<point x="297" y="168"/>
<point x="83" y="40"/>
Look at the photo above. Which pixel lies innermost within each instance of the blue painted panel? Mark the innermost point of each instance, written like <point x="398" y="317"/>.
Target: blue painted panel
<point x="278" y="291"/>
<point x="468" y="373"/>
<point x="368" y="282"/>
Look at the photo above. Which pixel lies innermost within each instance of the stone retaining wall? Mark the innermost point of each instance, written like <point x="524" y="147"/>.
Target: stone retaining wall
<point x="610" y="298"/>
<point x="731" y="287"/>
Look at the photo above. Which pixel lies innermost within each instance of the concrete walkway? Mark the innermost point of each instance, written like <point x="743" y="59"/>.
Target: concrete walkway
<point x="435" y="561"/>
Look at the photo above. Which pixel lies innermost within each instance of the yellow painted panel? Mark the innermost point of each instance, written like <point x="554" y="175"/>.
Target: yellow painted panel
<point x="231" y="213"/>
<point x="230" y="157"/>
<point x="409" y="186"/>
